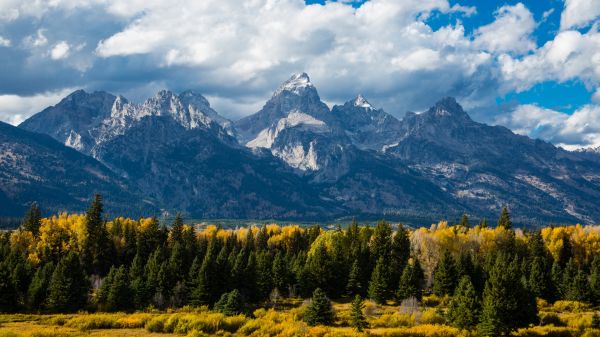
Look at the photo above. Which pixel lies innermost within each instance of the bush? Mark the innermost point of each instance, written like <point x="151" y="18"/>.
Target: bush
<point x="95" y="321"/>
<point x="156" y="324"/>
<point x="570" y="306"/>
<point x="8" y="333"/>
<point x="393" y="320"/>
<point x="432" y="316"/>
<point x="551" y="318"/>
<point x="547" y="331"/>
<point x="425" y="330"/>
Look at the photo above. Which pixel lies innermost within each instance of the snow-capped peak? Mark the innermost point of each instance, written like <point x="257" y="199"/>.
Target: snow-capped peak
<point x="296" y="84"/>
<point x="361" y="102"/>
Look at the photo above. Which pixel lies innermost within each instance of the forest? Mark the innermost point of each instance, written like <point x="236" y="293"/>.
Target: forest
<point x="463" y="279"/>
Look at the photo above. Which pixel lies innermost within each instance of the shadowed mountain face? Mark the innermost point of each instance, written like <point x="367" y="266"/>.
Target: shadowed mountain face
<point x="297" y="159"/>
<point x="35" y="167"/>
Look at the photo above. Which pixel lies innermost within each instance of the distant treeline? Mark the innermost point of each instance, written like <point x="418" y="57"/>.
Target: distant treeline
<point x="492" y="276"/>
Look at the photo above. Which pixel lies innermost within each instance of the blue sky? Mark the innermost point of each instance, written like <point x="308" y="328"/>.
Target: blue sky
<point x="532" y="66"/>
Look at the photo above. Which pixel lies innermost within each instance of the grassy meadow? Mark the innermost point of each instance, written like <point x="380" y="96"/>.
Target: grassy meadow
<point x="284" y="318"/>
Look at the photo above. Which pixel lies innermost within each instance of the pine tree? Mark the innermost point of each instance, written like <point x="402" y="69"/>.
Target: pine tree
<point x="102" y="295"/>
<point x="96" y="250"/>
<point x="230" y="303"/>
<point x="579" y="289"/>
<point x="38" y="288"/>
<point x="504" y="220"/>
<point x="595" y="280"/>
<point x="319" y="311"/>
<point x="378" y="286"/>
<point x="119" y="294"/>
<point x="137" y="283"/>
<point x="177" y="229"/>
<point x="400" y="252"/>
<point x="445" y="275"/>
<point x="68" y="289"/>
<point x="33" y="219"/>
<point x="357" y="318"/>
<point x="8" y="294"/>
<point x="464" y="221"/>
<point x="354" y="285"/>
<point x="507" y="304"/>
<point x="381" y="241"/>
<point x="463" y="310"/>
<point x="410" y="285"/>
<point x="280" y="273"/>
<point x="538" y="281"/>
<point x="264" y="278"/>
<point x="483" y="223"/>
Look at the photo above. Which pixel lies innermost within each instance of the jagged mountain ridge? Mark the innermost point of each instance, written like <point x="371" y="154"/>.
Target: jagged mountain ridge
<point x="351" y="160"/>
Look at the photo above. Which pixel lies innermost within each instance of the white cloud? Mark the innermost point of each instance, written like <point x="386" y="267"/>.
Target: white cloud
<point x="60" y="50"/>
<point x="16" y="109"/>
<point x="510" y="32"/>
<point x="36" y="40"/>
<point x="596" y="96"/>
<point x="581" y="129"/>
<point x="4" y="42"/>
<point x="579" y="13"/>
<point x="570" y="56"/>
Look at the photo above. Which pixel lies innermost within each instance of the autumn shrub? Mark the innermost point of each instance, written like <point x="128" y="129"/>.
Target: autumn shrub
<point x="550" y="318"/>
<point x="548" y="331"/>
<point x="8" y="333"/>
<point x="591" y="333"/>
<point x="432" y="316"/>
<point x="570" y="306"/>
<point x="424" y="330"/>
<point x="95" y="321"/>
<point x="52" y="332"/>
<point x="156" y="323"/>
<point x="578" y="320"/>
<point x="134" y="321"/>
<point x="393" y="320"/>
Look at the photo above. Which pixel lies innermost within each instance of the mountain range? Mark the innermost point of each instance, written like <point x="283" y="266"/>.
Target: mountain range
<point x="294" y="159"/>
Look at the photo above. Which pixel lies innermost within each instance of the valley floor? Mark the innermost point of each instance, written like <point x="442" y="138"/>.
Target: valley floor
<point x="563" y="318"/>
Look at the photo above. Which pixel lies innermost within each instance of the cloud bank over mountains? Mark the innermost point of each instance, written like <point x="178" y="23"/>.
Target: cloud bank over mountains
<point x="236" y="52"/>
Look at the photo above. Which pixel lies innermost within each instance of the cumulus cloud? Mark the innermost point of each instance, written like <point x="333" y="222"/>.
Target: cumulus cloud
<point x="579" y="13"/>
<point x="60" y="50"/>
<point x="570" y="56"/>
<point x="16" y="109"/>
<point x="236" y="53"/>
<point x="4" y="42"/>
<point x="581" y="129"/>
<point x="510" y="32"/>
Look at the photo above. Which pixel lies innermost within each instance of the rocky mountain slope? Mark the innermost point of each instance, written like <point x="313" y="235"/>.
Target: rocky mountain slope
<point x="297" y="159"/>
<point x="35" y="167"/>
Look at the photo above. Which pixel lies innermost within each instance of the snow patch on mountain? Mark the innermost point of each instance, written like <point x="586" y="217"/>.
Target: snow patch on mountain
<point x="361" y="102"/>
<point x="296" y="84"/>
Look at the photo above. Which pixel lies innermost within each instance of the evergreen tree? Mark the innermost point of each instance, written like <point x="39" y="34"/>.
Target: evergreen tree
<point x="357" y="318"/>
<point x="378" y="286"/>
<point x="506" y="302"/>
<point x="264" y="279"/>
<point x="137" y="283"/>
<point x="595" y="280"/>
<point x="464" y="221"/>
<point x="579" y="289"/>
<point x="445" y="275"/>
<point x="410" y="285"/>
<point x="538" y="281"/>
<point x="319" y="311"/>
<point x="400" y="252"/>
<point x="230" y="303"/>
<point x="8" y="294"/>
<point x="280" y="273"/>
<point x="119" y="294"/>
<point x="68" y="289"/>
<point x="177" y="229"/>
<point x="381" y="241"/>
<point x="38" y="288"/>
<point x="463" y="310"/>
<point x="354" y="285"/>
<point x="96" y="249"/>
<point x="504" y="220"/>
<point x="483" y="223"/>
<point x="565" y="254"/>
<point x="33" y="219"/>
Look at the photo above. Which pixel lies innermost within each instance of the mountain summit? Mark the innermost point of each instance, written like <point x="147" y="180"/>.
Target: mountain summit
<point x="298" y="159"/>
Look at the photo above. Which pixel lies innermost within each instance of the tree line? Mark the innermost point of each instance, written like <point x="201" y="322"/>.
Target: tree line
<point x="491" y="276"/>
